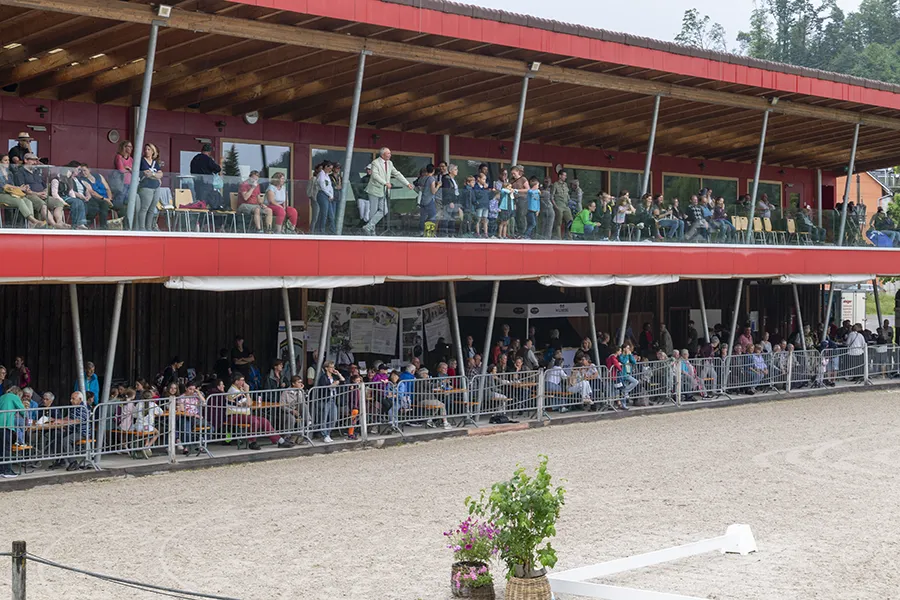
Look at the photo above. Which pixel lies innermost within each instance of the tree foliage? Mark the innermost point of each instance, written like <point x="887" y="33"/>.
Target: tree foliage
<point x="231" y="166"/>
<point x="813" y="33"/>
<point x="697" y="31"/>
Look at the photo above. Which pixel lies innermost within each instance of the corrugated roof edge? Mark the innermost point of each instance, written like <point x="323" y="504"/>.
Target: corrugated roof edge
<point x="469" y="10"/>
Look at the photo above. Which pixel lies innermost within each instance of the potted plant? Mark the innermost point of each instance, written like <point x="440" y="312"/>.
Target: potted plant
<point x="473" y="545"/>
<point x="524" y="510"/>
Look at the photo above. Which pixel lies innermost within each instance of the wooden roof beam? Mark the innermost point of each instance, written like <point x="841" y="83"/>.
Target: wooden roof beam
<point x="295" y="36"/>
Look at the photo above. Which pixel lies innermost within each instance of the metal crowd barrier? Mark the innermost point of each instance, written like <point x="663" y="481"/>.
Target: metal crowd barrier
<point x="61" y="436"/>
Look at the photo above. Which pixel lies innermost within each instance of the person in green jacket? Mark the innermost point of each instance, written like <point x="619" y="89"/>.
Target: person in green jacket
<point x="582" y="225"/>
<point x="10" y="407"/>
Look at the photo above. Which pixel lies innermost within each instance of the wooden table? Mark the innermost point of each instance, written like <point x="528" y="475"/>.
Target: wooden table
<point x="52" y="425"/>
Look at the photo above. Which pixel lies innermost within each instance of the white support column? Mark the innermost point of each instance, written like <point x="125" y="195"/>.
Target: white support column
<point x="492" y="313"/>
<point x="76" y="334"/>
<point x="703" y="316"/>
<point x="819" y="196"/>
<point x="323" y="339"/>
<point x="351" y="140"/>
<point x="624" y="326"/>
<point x="454" y="322"/>
<point x="142" y="123"/>
<point x="799" y="316"/>
<point x="734" y="319"/>
<point x="759" y="158"/>
<point x="446" y="148"/>
<point x="850" y="169"/>
<point x="103" y="400"/>
<point x="877" y="303"/>
<point x="289" y="331"/>
<point x="520" y="121"/>
<point x="592" y="320"/>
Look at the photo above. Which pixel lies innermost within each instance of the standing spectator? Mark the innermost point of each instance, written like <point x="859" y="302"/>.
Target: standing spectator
<point x="764" y="208"/>
<point x="170" y="373"/>
<point x="548" y="215"/>
<point x="887" y="331"/>
<point x="241" y="357"/>
<point x="277" y="378"/>
<point x="645" y="340"/>
<point x="430" y="187"/>
<point x="222" y="366"/>
<point x="250" y="203"/>
<point x="665" y="340"/>
<point x="746" y="338"/>
<point x="467" y="205"/>
<point x="483" y="198"/>
<point x="206" y="167"/>
<point x="328" y="380"/>
<point x="91" y="381"/>
<point x="11" y="408"/>
<point x="99" y="196"/>
<point x="22" y="374"/>
<point x="276" y="198"/>
<point x="337" y="181"/>
<point x="22" y="147"/>
<point x="562" y="214"/>
<point x="120" y="178"/>
<point x="693" y="342"/>
<point x="520" y="200"/>
<point x="576" y="197"/>
<point x="534" y="207"/>
<point x="189" y="407"/>
<point x="379" y="187"/>
<point x="150" y="176"/>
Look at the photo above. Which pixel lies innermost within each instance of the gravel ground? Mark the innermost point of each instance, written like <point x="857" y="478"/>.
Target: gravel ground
<point x="817" y="480"/>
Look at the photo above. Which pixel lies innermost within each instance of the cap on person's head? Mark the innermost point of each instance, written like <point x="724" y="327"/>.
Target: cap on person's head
<point x="23" y="135"/>
<point x="29" y="156"/>
<point x="714" y="340"/>
<point x="382" y="367"/>
<point x="206" y="148"/>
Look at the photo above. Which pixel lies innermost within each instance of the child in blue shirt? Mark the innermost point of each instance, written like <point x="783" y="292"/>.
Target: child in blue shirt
<point x="467" y="205"/>
<point x="507" y="206"/>
<point x="534" y="206"/>
<point x="493" y="213"/>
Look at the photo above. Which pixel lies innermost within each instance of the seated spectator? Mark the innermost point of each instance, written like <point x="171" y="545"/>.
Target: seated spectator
<point x="428" y="391"/>
<point x="78" y="432"/>
<point x="294" y="412"/>
<point x="190" y="406"/>
<point x="67" y="191"/>
<point x="580" y="380"/>
<point x="622" y="212"/>
<point x="672" y="220"/>
<point x="14" y="196"/>
<point x="764" y="208"/>
<point x="623" y="381"/>
<point x="582" y="225"/>
<point x="30" y="179"/>
<point x="99" y="196"/>
<point x="276" y="198"/>
<point x="277" y="378"/>
<point x="238" y="412"/>
<point x="250" y="203"/>
<point x="643" y="217"/>
<point x="697" y="222"/>
<point x="881" y="223"/>
<point x="720" y="221"/>
<point x="805" y="225"/>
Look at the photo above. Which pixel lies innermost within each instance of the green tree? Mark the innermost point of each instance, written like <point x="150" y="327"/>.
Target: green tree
<point x="230" y="165"/>
<point x="698" y="32"/>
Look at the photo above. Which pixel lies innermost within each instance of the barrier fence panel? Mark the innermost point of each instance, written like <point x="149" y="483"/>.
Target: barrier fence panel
<point x="882" y="361"/>
<point x="46" y="437"/>
<point x="706" y="377"/>
<point x="845" y="363"/>
<point x="656" y="383"/>
<point x="279" y="416"/>
<point x="579" y="387"/>
<point x="134" y="427"/>
<point x="431" y="402"/>
<point x="745" y="373"/>
<point x="513" y="393"/>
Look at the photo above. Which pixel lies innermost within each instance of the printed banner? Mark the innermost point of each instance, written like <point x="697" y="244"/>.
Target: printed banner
<point x="298" y="329"/>
<point x="384" y="330"/>
<point x="411" y="336"/>
<point x="437" y="325"/>
<point x="361" y="320"/>
<point x="339" y="332"/>
<point x="576" y="309"/>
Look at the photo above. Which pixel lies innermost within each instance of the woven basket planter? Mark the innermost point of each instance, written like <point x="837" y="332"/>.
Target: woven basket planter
<point x="536" y="588"/>
<point x="485" y="592"/>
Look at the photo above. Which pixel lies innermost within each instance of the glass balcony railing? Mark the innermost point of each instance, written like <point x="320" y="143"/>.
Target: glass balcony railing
<point x="76" y="199"/>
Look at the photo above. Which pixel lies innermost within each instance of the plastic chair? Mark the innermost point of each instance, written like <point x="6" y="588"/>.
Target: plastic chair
<point x="184" y="197"/>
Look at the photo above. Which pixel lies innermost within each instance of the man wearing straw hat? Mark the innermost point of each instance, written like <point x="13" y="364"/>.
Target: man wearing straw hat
<point x="22" y="148"/>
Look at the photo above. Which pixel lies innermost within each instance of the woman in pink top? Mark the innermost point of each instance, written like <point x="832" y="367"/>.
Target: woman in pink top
<point x="121" y="179"/>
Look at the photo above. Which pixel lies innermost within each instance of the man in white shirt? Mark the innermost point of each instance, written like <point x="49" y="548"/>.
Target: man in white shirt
<point x="856" y="351"/>
<point x="383" y="172"/>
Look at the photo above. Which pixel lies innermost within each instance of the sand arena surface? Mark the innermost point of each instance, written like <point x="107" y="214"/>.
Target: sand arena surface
<point x="817" y="479"/>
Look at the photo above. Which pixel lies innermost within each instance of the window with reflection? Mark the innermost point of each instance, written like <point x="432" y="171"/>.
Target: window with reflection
<point x="620" y="181"/>
<point x="592" y="181"/>
<point x="726" y="188"/>
<point x="680" y="186"/>
<point x="239" y="158"/>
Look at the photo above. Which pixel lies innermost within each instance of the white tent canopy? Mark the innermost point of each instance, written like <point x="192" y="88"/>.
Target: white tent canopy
<point x="584" y="281"/>
<point x="820" y="279"/>
<point x="237" y="284"/>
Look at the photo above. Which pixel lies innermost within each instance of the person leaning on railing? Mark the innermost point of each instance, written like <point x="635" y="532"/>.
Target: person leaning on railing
<point x="10" y="408"/>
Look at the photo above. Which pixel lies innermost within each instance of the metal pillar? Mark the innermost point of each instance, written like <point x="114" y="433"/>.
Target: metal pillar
<point x="759" y="157"/>
<point x="592" y="319"/>
<point x="703" y="317"/>
<point x="645" y="182"/>
<point x="446" y="149"/>
<point x="799" y="316"/>
<point x="142" y="122"/>
<point x="323" y="340"/>
<point x="351" y="141"/>
<point x="492" y="313"/>
<point x="878" y="303"/>
<point x="624" y="326"/>
<point x="819" y="196"/>
<point x="457" y="340"/>
<point x="289" y="331"/>
<point x="734" y="318"/>
<point x="828" y="311"/>
<point x="850" y="168"/>
<point x="520" y="120"/>
<point x="76" y="332"/>
<point x="110" y="362"/>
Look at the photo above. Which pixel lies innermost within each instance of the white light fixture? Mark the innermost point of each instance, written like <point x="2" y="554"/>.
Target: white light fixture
<point x="11" y="46"/>
<point x="98" y="56"/>
<point x="37" y="127"/>
<point x="164" y="11"/>
<point x="773" y="100"/>
<point x="535" y="66"/>
<point x="55" y="50"/>
<point x="251" y="118"/>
